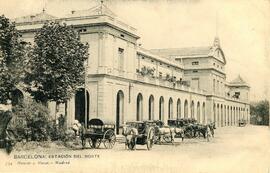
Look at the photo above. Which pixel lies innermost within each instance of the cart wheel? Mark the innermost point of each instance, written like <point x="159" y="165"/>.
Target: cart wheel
<point x="150" y="138"/>
<point x="90" y="143"/>
<point x="109" y="138"/>
<point x="96" y="143"/>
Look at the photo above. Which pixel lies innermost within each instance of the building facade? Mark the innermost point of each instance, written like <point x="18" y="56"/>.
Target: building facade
<point x="125" y="82"/>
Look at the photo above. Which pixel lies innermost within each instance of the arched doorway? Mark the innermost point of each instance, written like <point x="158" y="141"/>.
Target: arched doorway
<point x="221" y="115"/>
<point x="198" y="112"/>
<point x="80" y="108"/>
<point x="186" y="109"/>
<point x="119" y="110"/>
<point x="170" y="109"/>
<point x="218" y="114"/>
<point x="161" y="108"/>
<point x="203" y="113"/>
<point x="225" y="115"/>
<point x="151" y="107"/>
<point x="139" y="114"/>
<point x="178" y="108"/>
<point x="231" y="120"/>
<point x="233" y="115"/>
<point x="16" y="97"/>
<point x="247" y="115"/>
<point x="192" y="109"/>
<point x="228" y="115"/>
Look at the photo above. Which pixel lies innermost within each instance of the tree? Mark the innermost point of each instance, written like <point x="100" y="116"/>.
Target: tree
<point x="260" y="112"/>
<point x="12" y="59"/>
<point x="56" y="64"/>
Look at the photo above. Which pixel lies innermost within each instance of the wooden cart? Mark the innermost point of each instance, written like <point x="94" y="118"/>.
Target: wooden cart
<point x="98" y="132"/>
<point x="146" y="134"/>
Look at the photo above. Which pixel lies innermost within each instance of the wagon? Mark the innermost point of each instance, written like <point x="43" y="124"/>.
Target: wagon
<point x="186" y="124"/>
<point x="98" y="132"/>
<point x="156" y="124"/>
<point x="145" y="136"/>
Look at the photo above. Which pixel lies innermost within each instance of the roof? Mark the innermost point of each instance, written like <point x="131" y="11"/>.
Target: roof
<point x="193" y="52"/>
<point x="158" y="57"/>
<point x="183" y="51"/>
<point x="43" y="16"/>
<point x="239" y="81"/>
<point x="97" y="10"/>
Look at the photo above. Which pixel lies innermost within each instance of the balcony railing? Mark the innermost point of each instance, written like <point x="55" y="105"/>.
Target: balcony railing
<point x="165" y="83"/>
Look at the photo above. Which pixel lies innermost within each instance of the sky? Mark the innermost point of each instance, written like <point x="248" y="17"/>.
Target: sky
<point x="243" y="27"/>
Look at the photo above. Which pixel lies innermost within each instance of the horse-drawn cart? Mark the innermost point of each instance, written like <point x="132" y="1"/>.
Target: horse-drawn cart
<point x="98" y="132"/>
<point x="139" y="132"/>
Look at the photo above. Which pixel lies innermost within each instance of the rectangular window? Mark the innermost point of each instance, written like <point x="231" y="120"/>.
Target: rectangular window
<point x="195" y="63"/>
<point x="120" y="59"/>
<point x="195" y="83"/>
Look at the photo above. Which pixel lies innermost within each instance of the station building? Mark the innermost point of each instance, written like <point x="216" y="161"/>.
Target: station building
<point x="126" y="82"/>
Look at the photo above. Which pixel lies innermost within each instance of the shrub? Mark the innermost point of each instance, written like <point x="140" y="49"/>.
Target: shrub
<point x="30" y="121"/>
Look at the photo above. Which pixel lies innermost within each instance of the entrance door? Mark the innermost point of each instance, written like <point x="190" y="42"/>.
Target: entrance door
<point x="80" y="108"/>
<point x="119" y="110"/>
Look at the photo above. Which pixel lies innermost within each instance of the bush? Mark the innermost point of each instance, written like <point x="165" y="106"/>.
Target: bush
<point x="30" y="121"/>
<point x="31" y="126"/>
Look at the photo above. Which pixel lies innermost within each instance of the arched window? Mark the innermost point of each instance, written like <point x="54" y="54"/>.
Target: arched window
<point x="198" y="112"/>
<point x="186" y="109"/>
<point x="161" y="108"/>
<point x="139" y="115"/>
<point x="170" y="109"/>
<point x="151" y="108"/>
<point x="192" y="109"/>
<point x="178" y="108"/>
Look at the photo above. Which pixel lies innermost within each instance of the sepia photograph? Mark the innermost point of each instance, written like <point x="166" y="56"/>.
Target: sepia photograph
<point x="113" y="86"/>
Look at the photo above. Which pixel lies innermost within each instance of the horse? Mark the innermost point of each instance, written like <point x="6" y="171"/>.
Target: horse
<point x="179" y="132"/>
<point x="166" y="133"/>
<point x="131" y="135"/>
<point x="189" y="130"/>
<point x="169" y="133"/>
<point x="204" y="130"/>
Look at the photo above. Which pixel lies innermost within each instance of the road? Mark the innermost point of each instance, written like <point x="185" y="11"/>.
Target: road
<point x="234" y="149"/>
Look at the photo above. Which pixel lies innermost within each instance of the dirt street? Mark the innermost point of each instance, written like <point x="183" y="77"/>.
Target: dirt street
<point x="234" y="149"/>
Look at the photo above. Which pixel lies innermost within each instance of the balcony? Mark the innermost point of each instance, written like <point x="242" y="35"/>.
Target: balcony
<point x="162" y="81"/>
